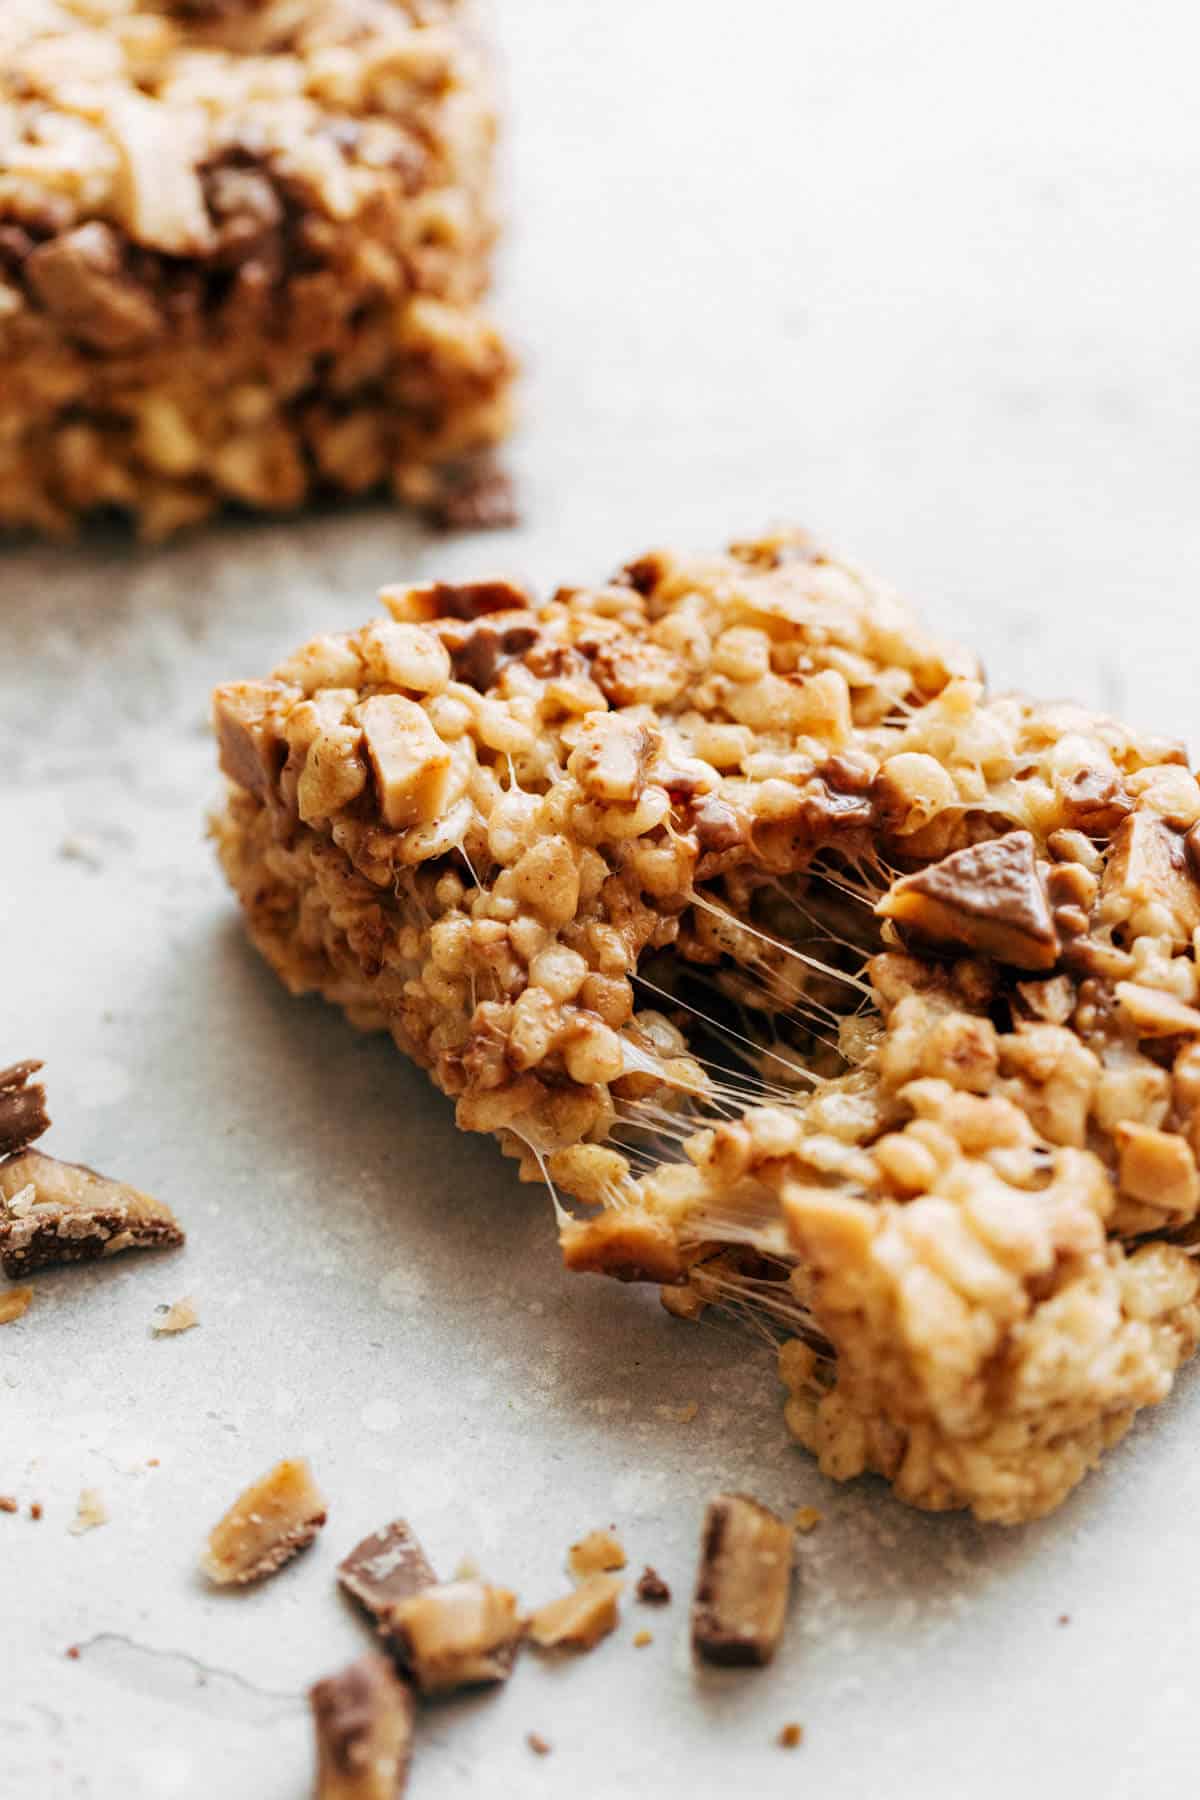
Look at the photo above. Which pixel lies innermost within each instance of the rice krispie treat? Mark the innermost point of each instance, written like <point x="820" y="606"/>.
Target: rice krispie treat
<point x="243" y="247"/>
<point x="816" y="981"/>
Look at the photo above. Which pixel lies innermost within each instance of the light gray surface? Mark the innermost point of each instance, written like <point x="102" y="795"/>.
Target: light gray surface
<point x="926" y="278"/>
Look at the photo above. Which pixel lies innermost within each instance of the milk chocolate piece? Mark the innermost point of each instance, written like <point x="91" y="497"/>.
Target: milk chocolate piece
<point x="23" y="1115"/>
<point x="386" y="1567"/>
<point x="268" y="1524"/>
<point x="363" y="1720"/>
<point x="455" y="1634"/>
<point x="742" y="1586"/>
<point x="988" y="898"/>
<point x="57" y="1212"/>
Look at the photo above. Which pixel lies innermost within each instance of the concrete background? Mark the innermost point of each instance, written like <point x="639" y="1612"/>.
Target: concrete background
<point x="926" y="278"/>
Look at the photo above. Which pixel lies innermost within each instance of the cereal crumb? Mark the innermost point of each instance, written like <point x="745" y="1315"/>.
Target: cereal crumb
<point x="90" y="1511"/>
<point x="467" y="1569"/>
<point x="652" y="1590"/>
<point x="35" y="1509"/>
<point x="14" y="1304"/>
<point x="537" y="1743"/>
<point x="152" y="1462"/>
<point x="791" y="1737"/>
<point x="73" y="1652"/>
<point x="7" y="1504"/>
<point x="182" y="1316"/>
<point x="597" y="1553"/>
<point x="806" y="1519"/>
<point x="642" y="1638"/>
<point x="1064" y="1618"/>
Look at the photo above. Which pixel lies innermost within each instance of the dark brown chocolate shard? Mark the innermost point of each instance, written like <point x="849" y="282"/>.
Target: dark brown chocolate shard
<point x="652" y="1590"/>
<point x="23" y="1115"/>
<point x="743" y="1582"/>
<point x="474" y="496"/>
<point x="363" y="1719"/>
<point x="57" y="1212"/>
<point x="987" y="898"/>
<point x="386" y="1567"/>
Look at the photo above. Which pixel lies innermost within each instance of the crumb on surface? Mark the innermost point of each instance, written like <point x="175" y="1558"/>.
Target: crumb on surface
<point x="537" y="1743"/>
<point x="806" y="1519"/>
<point x="181" y="1316"/>
<point x="598" y="1553"/>
<point x="14" y="1304"/>
<point x="642" y="1638"/>
<point x="790" y="1737"/>
<point x="90" y="1511"/>
<point x="682" y="1415"/>
<point x="35" y="1509"/>
<point x="271" y="1522"/>
<point x="652" y="1590"/>
<point x="8" y="1504"/>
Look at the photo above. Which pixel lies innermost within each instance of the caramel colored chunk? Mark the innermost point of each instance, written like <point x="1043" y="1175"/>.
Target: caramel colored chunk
<point x="1148" y="885"/>
<point x="57" y="1212"/>
<point x="363" y="1720"/>
<point x="182" y="1316"/>
<point x="247" y="742"/>
<point x="23" y="1114"/>
<point x="578" y="1621"/>
<point x="266" y="1526"/>
<point x="628" y="1245"/>
<point x="459" y="1634"/>
<point x="597" y="1553"/>
<point x="412" y="766"/>
<point x="1155" y="1014"/>
<point x="90" y="1512"/>
<point x="386" y="1567"/>
<point x="14" y="1304"/>
<point x="743" y="1582"/>
<point x="988" y="898"/>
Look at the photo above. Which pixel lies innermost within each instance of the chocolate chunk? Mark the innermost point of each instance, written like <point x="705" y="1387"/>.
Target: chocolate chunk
<point x="1095" y="802"/>
<point x="480" y="651"/>
<point x="474" y="496"/>
<point x="272" y="1521"/>
<point x="80" y="279"/>
<point x="743" y="1582"/>
<point x="386" y="1567"/>
<point x="652" y="1590"/>
<point x="643" y="575"/>
<point x="23" y="1115"/>
<point x="57" y="1212"/>
<point x="466" y="600"/>
<point x="718" y="827"/>
<point x="363" y="1720"/>
<point x="988" y="898"/>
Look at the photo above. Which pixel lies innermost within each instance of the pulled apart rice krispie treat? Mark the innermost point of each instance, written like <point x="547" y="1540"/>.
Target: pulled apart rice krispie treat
<point x="824" y="984"/>
<point x="243" y="245"/>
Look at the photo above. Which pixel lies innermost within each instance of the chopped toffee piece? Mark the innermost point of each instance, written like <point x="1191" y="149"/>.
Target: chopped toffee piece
<point x="23" y="1115"/>
<point x="363" y="1720"/>
<point x="14" y="1304"/>
<point x="642" y="1638"/>
<point x="537" y="1743"/>
<point x="743" y="1582"/>
<point x="578" y="1621"/>
<point x="645" y="812"/>
<point x="35" y="1509"/>
<point x="988" y="898"/>
<point x="791" y="1737"/>
<point x="181" y="1316"/>
<point x="90" y="1511"/>
<point x="457" y="1634"/>
<point x="652" y="1590"/>
<point x="8" y="1504"/>
<point x="58" y="1212"/>
<point x="386" y="1567"/>
<point x="597" y="1553"/>
<point x="266" y="1526"/>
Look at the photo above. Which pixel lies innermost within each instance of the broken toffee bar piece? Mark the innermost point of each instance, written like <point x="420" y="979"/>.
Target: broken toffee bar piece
<point x="58" y="1212"/>
<point x="363" y="1719"/>
<point x="23" y="1115"/>
<point x="389" y="1565"/>
<point x="244" y="250"/>
<point x="454" y="1634"/>
<point x="267" y="1525"/>
<point x="813" y="978"/>
<point x="743" y="1582"/>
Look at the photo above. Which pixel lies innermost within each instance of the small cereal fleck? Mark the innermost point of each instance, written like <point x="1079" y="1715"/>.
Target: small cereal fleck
<point x="806" y="1519"/>
<point x="537" y="1743"/>
<point x="90" y="1511"/>
<point x="642" y="1638"/>
<point x="791" y="1737"/>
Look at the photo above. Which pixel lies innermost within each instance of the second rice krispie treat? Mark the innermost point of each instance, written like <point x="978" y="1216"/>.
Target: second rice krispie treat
<point x="243" y="251"/>
<point x="819" y="981"/>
